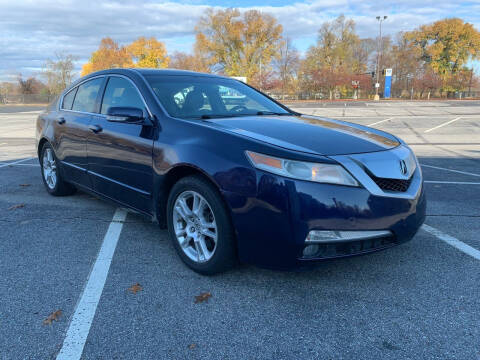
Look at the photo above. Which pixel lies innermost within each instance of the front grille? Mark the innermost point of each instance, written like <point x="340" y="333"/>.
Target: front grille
<point x="396" y="185"/>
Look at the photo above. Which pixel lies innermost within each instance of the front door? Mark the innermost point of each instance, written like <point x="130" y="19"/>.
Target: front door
<point x="120" y="153"/>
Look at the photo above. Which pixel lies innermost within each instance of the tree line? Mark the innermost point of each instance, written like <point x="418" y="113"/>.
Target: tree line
<point x="430" y="60"/>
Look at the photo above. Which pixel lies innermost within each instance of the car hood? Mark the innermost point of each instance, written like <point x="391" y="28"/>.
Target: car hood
<point x="309" y="134"/>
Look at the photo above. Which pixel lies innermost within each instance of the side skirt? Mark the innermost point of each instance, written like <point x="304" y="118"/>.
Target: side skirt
<point x="92" y="192"/>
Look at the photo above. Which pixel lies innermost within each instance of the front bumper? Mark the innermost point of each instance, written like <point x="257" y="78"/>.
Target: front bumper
<point x="272" y="224"/>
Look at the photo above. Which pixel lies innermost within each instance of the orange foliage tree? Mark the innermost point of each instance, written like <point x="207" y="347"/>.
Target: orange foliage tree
<point x="142" y="52"/>
<point x="148" y="53"/>
<point x="109" y="55"/>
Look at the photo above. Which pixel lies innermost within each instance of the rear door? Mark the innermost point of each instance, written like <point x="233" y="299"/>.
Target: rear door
<point x="120" y="153"/>
<point x="72" y="128"/>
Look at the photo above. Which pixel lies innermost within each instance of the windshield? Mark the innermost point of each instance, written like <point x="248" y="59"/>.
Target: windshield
<point x="199" y="97"/>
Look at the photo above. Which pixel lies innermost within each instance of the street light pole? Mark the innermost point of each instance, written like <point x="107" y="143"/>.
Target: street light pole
<point x="380" y="19"/>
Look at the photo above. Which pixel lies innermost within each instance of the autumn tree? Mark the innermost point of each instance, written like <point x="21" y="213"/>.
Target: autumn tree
<point x="29" y="86"/>
<point x="148" y="53"/>
<point x="58" y="73"/>
<point x="265" y="80"/>
<point x="6" y="89"/>
<point x="446" y="46"/>
<point x="363" y="54"/>
<point x="428" y="81"/>
<point x="331" y="62"/>
<point x="238" y="44"/>
<point x="404" y="61"/>
<point x="287" y="64"/>
<point x="462" y="80"/>
<point x="109" y="55"/>
<point x="183" y="61"/>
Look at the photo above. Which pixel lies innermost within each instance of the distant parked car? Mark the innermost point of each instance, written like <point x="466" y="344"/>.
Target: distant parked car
<point x="247" y="180"/>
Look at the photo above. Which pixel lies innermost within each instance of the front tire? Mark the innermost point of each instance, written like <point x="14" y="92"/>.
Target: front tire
<point x="199" y="226"/>
<point x="51" y="174"/>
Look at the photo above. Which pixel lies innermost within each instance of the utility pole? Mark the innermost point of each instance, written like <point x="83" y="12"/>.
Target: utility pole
<point x="380" y="19"/>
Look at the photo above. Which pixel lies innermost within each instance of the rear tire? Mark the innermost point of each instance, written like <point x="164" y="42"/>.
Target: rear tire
<point x="200" y="227"/>
<point x="51" y="174"/>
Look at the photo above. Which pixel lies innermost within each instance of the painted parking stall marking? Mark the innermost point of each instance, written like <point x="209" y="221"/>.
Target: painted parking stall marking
<point x="451" y="170"/>
<point x="442" y="125"/>
<point x="87" y="305"/>
<point x="450" y="240"/>
<point x="451" y="182"/>
<point x="381" y="121"/>
<point x="14" y="163"/>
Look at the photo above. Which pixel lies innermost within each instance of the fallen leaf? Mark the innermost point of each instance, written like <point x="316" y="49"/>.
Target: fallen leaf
<point x="135" y="288"/>
<point x="202" y="297"/>
<point x="24" y="185"/>
<point x="53" y="316"/>
<point x="18" y="206"/>
<point x="192" y="346"/>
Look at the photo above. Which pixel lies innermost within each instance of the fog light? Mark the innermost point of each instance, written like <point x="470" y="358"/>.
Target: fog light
<point x="310" y="250"/>
<point x="327" y="236"/>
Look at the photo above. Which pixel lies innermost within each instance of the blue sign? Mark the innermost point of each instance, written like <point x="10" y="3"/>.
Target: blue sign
<point x="388" y="83"/>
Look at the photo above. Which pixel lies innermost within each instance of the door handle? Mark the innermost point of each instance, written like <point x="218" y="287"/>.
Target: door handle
<point x="61" y="120"/>
<point x="95" y="128"/>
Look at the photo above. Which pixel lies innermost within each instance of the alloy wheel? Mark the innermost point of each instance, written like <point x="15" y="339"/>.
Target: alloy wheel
<point x="195" y="226"/>
<point x="49" y="168"/>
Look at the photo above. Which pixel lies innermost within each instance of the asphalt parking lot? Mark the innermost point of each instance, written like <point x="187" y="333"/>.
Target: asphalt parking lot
<point x="420" y="300"/>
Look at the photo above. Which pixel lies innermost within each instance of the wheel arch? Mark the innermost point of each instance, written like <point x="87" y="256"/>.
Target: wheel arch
<point x="170" y="179"/>
<point x="41" y="143"/>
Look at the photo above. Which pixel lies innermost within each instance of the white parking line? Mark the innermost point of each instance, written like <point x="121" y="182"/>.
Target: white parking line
<point x="381" y="121"/>
<point x="442" y="125"/>
<point x="26" y="165"/>
<point x="15" y="162"/>
<point x="450" y="240"/>
<point x="87" y="305"/>
<point x="452" y="182"/>
<point x="451" y="170"/>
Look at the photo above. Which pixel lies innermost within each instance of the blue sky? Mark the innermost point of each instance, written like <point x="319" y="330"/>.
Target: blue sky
<point x="33" y="31"/>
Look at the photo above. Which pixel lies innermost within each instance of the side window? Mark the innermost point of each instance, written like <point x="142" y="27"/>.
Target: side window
<point x="121" y="92"/>
<point x="87" y="95"/>
<point x="68" y="99"/>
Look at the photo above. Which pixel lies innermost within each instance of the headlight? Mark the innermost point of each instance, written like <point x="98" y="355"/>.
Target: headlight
<point x="322" y="173"/>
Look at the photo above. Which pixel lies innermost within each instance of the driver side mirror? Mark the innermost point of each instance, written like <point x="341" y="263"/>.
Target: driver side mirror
<point x="125" y="114"/>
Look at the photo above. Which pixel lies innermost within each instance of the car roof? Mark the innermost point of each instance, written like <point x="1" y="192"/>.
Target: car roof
<point x="146" y="71"/>
<point x="142" y="72"/>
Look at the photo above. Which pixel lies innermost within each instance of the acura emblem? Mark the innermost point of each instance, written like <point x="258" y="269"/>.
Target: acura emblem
<point x="403" y="167"/>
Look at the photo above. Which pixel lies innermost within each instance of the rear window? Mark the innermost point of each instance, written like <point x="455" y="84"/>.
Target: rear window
<point x="86" y="97"/>
<point x="68" y="99"/>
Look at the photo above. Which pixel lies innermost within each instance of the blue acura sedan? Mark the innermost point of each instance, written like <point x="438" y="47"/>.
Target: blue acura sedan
<point x="233" y="174"/>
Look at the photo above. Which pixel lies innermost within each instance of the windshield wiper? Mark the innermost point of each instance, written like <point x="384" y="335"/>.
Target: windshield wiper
<point x="273" y="113"/>
<point x="214" y="116"/>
